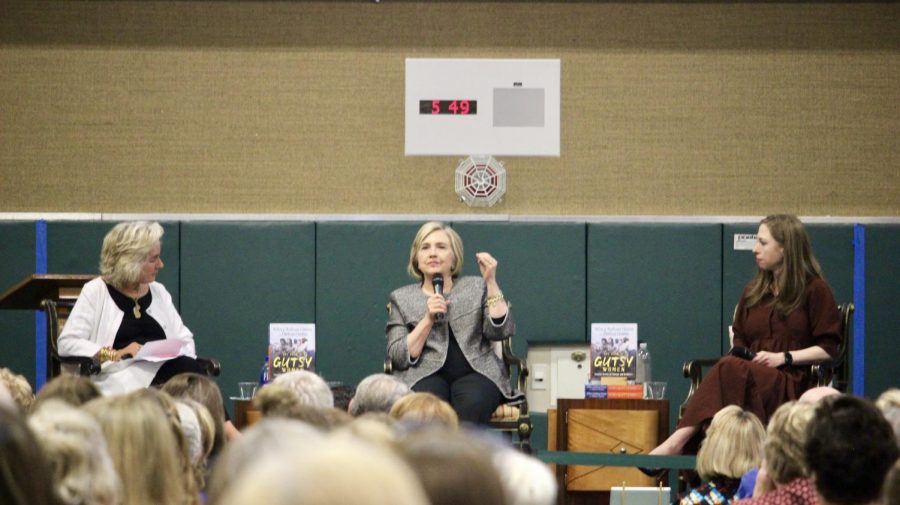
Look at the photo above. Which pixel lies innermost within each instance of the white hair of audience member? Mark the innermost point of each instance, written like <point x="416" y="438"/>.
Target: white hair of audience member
<point x="377" y="393"/>
<point x="270" y="436"/>
<point x="526" y="480"/>
<point x="889" y="405"/>
<point x="815" y="394"/>
<point x="310" y="388"/>
<point x="73" y="442"/>
<point x="190" y="428"/>
<point x="331" y="471"/>
<point x="6" y="399"/>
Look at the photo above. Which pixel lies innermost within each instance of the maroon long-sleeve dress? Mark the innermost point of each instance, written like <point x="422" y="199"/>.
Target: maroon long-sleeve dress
<point x="758" y="388"/>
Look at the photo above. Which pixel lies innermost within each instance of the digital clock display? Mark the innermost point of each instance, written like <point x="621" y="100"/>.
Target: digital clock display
<point x="453" y="107"/>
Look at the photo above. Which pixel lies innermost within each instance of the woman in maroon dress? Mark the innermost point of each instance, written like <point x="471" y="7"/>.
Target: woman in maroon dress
<point x="787" y="317"/>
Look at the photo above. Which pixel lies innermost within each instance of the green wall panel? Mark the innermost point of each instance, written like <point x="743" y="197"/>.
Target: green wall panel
<point x="236" y="279"/>
<point x="358" y="264"/>
<point x="882" y="321"/>
<point x="17" y="326"/>
<point x="665" y="277"/>
<point x="541" y="270"/>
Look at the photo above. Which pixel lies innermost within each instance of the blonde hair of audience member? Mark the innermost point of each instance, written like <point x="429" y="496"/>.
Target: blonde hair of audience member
<point x="373" y="427"/>
<point x="812" y="395"/>
<point x="144" y="448"/>
<point x="377" y="393"/>
<point x="169" y="405"/>
<point x="18" y="388"/>
<point x="733" y="444"/>
<point x="332" y="471"/>
<point x="83" y="472"/>
<point x="425" y="408"/>
<point x="526" y="480"/>
<point x="456" y="245"/>
<point x="124" y="249"/>
<point x="24" y="470"/>
<point x="207" y="431"/>
<point x="204" y="390"/>
<point x="309" y="387"/>
<point x="72" y="389"/>
<point x="783" y="457"/>
<point x="889" y="405"/>
<point x="267" y="437"/>
<point x="892" y="485"/>
<point x="277" y="400"/>
<point x="453" y="467"/>
<point x="193" y="438"/>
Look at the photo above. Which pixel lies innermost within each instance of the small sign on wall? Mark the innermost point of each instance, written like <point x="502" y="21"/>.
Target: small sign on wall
<point x="744" y="241"/>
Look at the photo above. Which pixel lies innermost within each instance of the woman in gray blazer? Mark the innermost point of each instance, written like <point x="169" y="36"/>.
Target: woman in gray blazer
<point x="442" y="343"/>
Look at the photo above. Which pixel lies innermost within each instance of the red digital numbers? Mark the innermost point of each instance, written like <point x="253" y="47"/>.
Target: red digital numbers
<point x="452" y="107"/>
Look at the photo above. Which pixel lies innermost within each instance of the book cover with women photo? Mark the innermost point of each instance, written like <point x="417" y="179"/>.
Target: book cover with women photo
<point x="292" y="346"/>
<point x="613" y="350"/>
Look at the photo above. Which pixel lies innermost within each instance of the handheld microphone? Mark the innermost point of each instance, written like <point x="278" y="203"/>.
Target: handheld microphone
<point x="743" y="352"/>
<point x="437" y="282"/>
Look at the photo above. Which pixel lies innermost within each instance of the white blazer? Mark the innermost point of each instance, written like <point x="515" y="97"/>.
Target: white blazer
<point x="93" y="324"/>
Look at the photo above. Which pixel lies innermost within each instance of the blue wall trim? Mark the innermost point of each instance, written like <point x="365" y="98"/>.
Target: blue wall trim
<point x="40" y="319"/>
<point x="859" y="315"/>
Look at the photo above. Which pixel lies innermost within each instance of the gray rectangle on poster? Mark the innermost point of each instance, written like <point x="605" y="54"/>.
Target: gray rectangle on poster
<point x="519" y="107"/>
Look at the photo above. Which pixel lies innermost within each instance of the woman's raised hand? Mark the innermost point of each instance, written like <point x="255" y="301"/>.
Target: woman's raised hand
<point x="488" y="266"/>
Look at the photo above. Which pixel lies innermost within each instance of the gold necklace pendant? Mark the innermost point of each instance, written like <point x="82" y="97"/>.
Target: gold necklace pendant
<point x="137" y="309"/>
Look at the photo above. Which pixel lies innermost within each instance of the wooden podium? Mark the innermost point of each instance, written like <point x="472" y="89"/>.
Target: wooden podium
<point x="54" y="294"/>
<point x="604" y="426"/>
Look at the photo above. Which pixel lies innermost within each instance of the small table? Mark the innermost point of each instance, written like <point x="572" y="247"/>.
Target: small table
<point x="245" y="414"/>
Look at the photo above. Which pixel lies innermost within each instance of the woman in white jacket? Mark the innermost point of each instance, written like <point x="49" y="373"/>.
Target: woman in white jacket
<point x="123" y="309"/>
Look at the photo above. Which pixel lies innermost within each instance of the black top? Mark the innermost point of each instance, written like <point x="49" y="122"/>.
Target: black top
<point x="133" y="329"/>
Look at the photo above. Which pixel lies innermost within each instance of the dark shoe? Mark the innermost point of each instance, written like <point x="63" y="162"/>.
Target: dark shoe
<point x="656" y="473"/>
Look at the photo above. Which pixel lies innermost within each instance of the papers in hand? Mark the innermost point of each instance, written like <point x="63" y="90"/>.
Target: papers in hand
<point x="159" y="350"/>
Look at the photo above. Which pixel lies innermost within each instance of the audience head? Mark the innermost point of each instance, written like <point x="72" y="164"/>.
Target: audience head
<point x="72" y="389"/>
<point x="377" y="393"/>
<point x="334" y="472"/>
<point x="785" y="442"/>
<point x="456" y="246"/>
<point x="453" y="467"/>
<point x="19" y="389"/>
<point x="849" y="450"/>
<point x="24" y="470"/>
<point x="125" y="249"/>
<point x="424" y="409"/>
<point x="526" y="480"/>
<point x="83" y="473"/>
<point x="889" y="404"/>
<point x="145" y="447"/>
<point x="812" y="395"/>
<point x="202" y="389"/>
<point x="892" y="485"/>
<point x="277" y="400"/>
<point x="311" y="389"/>
<point x="733" y="444"/>
<point x="268" y="437"/>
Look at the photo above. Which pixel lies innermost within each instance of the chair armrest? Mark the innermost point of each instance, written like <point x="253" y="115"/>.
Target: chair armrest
<point x="87" y="365"/>
<point x="212" y="365"/>
<point x="693" y="370"/>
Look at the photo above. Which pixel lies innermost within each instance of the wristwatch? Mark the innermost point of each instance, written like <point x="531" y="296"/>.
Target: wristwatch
<point x="788" y="359"/>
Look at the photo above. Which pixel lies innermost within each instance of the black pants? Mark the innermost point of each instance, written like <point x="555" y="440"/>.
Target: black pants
<point x="175" y="366"/>
<point x="473" y="396"/>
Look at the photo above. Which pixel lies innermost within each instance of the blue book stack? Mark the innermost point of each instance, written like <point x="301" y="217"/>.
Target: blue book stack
<point x="596" y="391"/>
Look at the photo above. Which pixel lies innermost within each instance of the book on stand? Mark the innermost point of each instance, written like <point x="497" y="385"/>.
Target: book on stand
<point x="292" y="346"/>
<point x="613" y="352"/>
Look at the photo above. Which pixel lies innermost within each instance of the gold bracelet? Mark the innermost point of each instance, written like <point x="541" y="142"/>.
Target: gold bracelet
<point x="491" y="300"/>
<point x="107" y="354"/>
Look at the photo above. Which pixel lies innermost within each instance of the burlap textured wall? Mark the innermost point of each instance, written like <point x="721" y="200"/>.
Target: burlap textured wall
<point x="297" y="107"/>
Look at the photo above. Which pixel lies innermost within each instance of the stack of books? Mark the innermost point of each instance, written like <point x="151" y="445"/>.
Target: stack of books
<point x="614" y="391"/>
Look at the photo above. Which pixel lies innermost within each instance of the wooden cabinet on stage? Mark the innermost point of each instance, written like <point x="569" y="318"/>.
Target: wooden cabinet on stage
<point x="604" y="426"/>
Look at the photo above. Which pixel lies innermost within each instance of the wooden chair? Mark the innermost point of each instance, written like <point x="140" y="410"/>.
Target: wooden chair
<point x="834" y="372"/>
<point x="510" y="418"/>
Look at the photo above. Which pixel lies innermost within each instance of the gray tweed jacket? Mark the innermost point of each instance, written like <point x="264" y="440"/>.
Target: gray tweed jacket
<point x="472" y="326"/>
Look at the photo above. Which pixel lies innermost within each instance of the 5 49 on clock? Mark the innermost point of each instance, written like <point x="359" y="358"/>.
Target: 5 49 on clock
<point x="453" y="107"/>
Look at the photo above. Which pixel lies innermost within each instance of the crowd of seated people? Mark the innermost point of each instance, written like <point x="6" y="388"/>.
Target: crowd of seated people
<point x="75" y="445"/>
